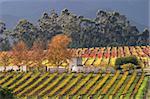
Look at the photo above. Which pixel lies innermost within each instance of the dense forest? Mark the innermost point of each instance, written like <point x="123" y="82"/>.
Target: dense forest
<point x="107" y="29"/>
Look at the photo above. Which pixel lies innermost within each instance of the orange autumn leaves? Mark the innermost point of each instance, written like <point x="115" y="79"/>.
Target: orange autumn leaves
<point x="57" y="52"/>
<point x="19" y="53"/>
<point x="4" y="59"/>
<point x="37" y="55"/>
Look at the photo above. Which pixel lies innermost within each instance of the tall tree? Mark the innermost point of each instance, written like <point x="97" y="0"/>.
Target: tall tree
<point x="20" y="54"/>
<point x="70" y="24"/>
<point x="49" y="25"/>
<point x="5" y="45"/>
<point x="107" y="29"/>
<point x="37" y="53"/>
<point x="58" y="52"/>
<point x="2" y="27"/>
<point x="5" y="59"/>
<point x="25" y="31"/>
<point x="4" y="37"/>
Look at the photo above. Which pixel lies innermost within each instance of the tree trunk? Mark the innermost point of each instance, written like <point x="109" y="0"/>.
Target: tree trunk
<point x="19" y="67"/>
<point x="27" y="68"/>
<point x="38" y="68"/>
<point x="4" y="68"/>
<point x="57" y="69"/>
<point x="46" y="68"/>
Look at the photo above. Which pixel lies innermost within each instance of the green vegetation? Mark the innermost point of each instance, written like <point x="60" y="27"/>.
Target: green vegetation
<point x="6" y="94"/>
<point x="65" y="85"/>
<point x="106" y="29"/>
<point x="142" y="90"/>
<point x="127" y="62"/>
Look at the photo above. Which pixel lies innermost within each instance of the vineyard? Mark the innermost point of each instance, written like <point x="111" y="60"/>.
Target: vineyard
<point x="69" y="85"/>
<point x="106" y="56"/>
<point x="69" y="56"/>
<point x="74" y="86"/>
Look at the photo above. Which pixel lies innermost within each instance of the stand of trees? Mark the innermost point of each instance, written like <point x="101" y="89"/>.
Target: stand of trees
<point x="56" y="54"/>
<point x="107" y="29"/>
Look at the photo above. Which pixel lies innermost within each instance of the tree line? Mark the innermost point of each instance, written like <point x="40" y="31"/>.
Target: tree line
<point x="106" y="29"/>
<point x="56" y="54"/>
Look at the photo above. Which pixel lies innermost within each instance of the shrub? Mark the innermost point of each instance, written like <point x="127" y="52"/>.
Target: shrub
<point x="6" y="94"/>
<point x="125" y="60"/>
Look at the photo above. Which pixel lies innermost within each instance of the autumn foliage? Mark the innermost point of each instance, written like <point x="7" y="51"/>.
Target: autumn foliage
<point x="37" y="55"/>
<point x="58" y="52"/>
<point x="20" y="53"/>
<point x="5" y="59"/>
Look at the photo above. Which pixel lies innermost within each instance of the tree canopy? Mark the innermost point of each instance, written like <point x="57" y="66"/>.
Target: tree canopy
<point x="58" y="52"/>
<point x="127" y="61"/>
<point x="106" y="29"/>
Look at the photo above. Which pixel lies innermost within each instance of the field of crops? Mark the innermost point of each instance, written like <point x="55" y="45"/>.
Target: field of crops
<point x="106" y="56"/>
<point x="120" y="85"/>
<point x="75" y="86"/>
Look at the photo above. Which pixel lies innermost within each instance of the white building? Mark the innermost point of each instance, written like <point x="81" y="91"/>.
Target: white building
<point x="75" y="64"/>
<point x="15" y="68"/>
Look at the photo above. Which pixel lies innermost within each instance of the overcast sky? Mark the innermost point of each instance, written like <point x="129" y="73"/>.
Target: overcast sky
<point x="136" y="10"/>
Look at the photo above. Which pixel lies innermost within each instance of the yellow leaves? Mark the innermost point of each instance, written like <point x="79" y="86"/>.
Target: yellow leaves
<point x="112" y="61"/>
<point x="37" y="53"/>
<point x="58" y="54"/>
<point x="128" y="66"/>
<point x="84" y="60"/>
<point x="89" y="61"/>
<point x="105" y="62"/>
<point x="138" y="84"/>
<point x="11" y="64"/>
<point x="104" y="91"/>
<point x="120" y="82"/>
<point x="129" y="83"/>
<point x="99" y="85"/>
<point x="97" y="62"/>
<point x="49" y="64"/>
<point x="64" y="64"/>
<point x="44" y="62"/>
<point x="4" y="59"/>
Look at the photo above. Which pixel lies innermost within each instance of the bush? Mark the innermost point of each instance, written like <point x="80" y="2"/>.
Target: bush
<point x="125" y="60"/>
<point x="6" y="94"/>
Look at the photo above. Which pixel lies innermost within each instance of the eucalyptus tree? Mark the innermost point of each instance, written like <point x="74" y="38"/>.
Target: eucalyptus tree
<point x="25" y="31"/>
<point x="70" y="24"/>
<point x="4" y="37"/>
<point x="2" y="27"/>
<point x="48" y="25"/>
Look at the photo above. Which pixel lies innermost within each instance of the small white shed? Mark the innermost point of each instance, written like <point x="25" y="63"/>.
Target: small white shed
<point x="75" y="64"/>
